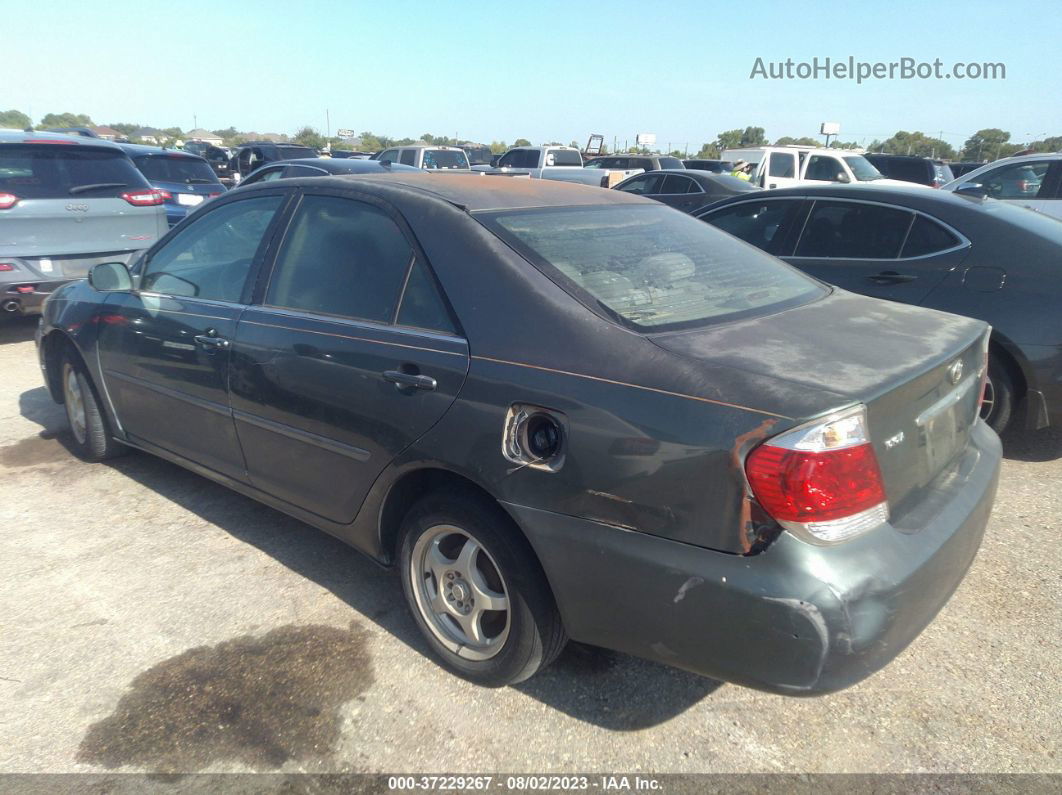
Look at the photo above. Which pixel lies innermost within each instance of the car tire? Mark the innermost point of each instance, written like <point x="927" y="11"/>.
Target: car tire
<point x="89" y="428"/>
<point x="998" y="405"/>
<point x="457" y="548"/>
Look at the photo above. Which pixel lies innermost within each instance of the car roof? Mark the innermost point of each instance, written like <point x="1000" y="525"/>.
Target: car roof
<point x="915" y="196"/>
<point x="342" y="165"/>
<point x="144" y="149"/>
<point x="1003" y="161"/>
<point x="40" y="136"/>
<point x="475" y="191"/>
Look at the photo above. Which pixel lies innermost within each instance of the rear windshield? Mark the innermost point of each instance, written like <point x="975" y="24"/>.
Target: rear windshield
<point x="445" y="158"/>
<point x="174" y="168"/>
<point x="650" y="267"/>
<point x="59" y="171"/>
<point x="294" y="152"/>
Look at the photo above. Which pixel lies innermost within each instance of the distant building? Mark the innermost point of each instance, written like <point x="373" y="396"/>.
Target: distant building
<point x="203" y="135"/>
<point x="149" y="135"/>
<point x="106" y="133"/>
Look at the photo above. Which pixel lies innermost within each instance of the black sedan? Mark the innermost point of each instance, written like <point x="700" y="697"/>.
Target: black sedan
<point x="321" y="167"/>
<point x="559" y="412"/>
<point x="685" y="190"/>
<point x="979" y="258"/>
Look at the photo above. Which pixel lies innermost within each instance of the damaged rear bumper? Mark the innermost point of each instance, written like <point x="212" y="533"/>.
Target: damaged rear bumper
<point x="796" y="619"/>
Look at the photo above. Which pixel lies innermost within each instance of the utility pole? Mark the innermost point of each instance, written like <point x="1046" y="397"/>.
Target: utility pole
<point x="195" y="122"/>
<point x="328" y="124"/>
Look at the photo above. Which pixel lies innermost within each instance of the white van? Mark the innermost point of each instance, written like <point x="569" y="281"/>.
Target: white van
<point x="429" y="157"/>
<point x="784" y="166"/>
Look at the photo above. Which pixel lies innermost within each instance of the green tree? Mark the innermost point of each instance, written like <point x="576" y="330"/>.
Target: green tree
<point x="914" y="143"/>
<point x="309" y="136"/>
<point x="65" y="120"/>
<point x="753" y="136"/>
<point x="730" y="139"/>
<point x="15" y="120"/>
<point x="786" y="140"/>
<point x="1052" y="144"/>
<point x="498" y="147"/>
<point x="521" y="142"/>
<point x="988" y="144"/>
<point x="227" y="133"/>
<point x="124" y="127"/>
<point x="708" y="151"/>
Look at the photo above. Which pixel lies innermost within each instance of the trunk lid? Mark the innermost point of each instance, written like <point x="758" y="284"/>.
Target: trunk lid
<point x="916" y="370"/>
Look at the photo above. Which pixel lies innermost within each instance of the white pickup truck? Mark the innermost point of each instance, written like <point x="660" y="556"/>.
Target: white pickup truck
<point x="783" y="166"/>
<point x="563" y="163"/>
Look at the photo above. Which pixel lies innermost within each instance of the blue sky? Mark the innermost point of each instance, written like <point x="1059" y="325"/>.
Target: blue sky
<point x="540" y="70"/>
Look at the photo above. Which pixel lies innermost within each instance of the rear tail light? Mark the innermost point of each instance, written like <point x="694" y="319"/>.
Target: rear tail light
<point x="143" y="198"/>
<point x="1023" y="185"/>
<point x="821" y="481"/>
<point x="984" y="371"/>
<point x="25" y="289"/>
<point x="6" y="267"/>
<point x="165" y="194"/>
<point x="8" y="200"/>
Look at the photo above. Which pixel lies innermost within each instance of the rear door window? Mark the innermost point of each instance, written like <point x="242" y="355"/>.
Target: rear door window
<point x="853" y="230"/>
<point x="643" y="184"/>
<point x="341" y="257"/>
<point x="824" y="168"/>
<point x="62" y="171"/>
<point x="566" y="157"/>
<point x="782" y="164"/>
<point x="422" y="303"/>
<point x="1016" y="181"/>
<point x="408" y="157"/>
<point x="673" y="183"/>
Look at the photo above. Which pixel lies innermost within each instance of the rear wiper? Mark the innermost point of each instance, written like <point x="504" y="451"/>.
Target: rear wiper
<point x="98" y="186"/>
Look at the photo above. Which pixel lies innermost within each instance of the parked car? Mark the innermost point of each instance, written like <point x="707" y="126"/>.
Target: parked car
<point x="184" y="180"/>
<point x="638" y="433"/>
<point x="783" y="166"/>
<point x="685" y="189"/>
<point x="561" y="163"/>
<point x="921" y="170"/>
<point x="348" y="154"/>
<point x="67" y="203"/>
<point x="321" y="167"/>
<point x="958" y="169"/>
<point x="1032" y="181"/>
<point x="982" y="259"/>
<point x="427" y="157"/>
<point x="714" y="166"/>
<point x="632" y="162"/>
<point x="218" y="157"/>
<point x="247" y="157"/>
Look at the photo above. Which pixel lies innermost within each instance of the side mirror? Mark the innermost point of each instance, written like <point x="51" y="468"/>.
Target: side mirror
<point x="842" y="177"/>
<point x="972" y="190"/>
<point x="110" y="277"/>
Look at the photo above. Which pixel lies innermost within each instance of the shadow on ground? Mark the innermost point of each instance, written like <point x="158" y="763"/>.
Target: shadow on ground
<point x="17" y="329"/>
<point x="1043" y="445"/>
<point x="610" y="690"/>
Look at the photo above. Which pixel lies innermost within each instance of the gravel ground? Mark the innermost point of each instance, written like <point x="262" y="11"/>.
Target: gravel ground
<point x="154" y="621"/>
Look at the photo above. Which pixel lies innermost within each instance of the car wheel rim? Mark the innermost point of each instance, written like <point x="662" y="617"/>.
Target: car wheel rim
<point x="75" y="405"/>
<point x="988" y="404"/>
<point x="460" y="592"/>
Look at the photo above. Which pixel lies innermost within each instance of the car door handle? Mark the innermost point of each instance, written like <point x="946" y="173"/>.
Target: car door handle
<point x="211" y="341"/>
<point x="891" y="277"/>
<point x="409" y="380"/>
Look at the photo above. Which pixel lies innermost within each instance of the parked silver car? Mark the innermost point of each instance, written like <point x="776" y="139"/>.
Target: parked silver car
<point x="66" y="204"/>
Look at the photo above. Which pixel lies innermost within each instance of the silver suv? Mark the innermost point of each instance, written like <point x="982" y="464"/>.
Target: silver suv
<point x="67" y="203"/>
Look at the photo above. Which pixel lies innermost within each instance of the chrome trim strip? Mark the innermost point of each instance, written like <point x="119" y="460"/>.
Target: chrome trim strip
<point x="299" y="435"/>
<point x="357" y="339"/>
<point x="949" y="400"/>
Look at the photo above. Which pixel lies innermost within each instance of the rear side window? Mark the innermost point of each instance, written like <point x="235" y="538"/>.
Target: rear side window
<point x="59" y="171"/>
<point x="927" y="237"/>
<point x="643" y="184"/>
<point x="782" y="165"/>
<point x="408" y="157"/>
<point x="565" y="157"/>
<point x="175" y="168"/>
<point x="822" y="167"/>
<point x="341" y="257"/>
<point x="673" y="183"/>
<point x="422" y="303"/>
<point x="762" y="224"/>
<point x="649" y="266"/>
<point x="850" y="230"/>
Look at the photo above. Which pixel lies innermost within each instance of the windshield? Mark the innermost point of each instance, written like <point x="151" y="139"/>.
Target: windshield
<point x="175" y="168"/>
<point x="651" y="267"/>
<point x="445" y="158"/>
<point x="864" y="172"/>
<point x="58" y="171"/>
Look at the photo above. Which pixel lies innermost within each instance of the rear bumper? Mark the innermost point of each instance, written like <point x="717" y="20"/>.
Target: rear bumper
<point x="16" y="303"/>
<point x="796" y="619"/>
